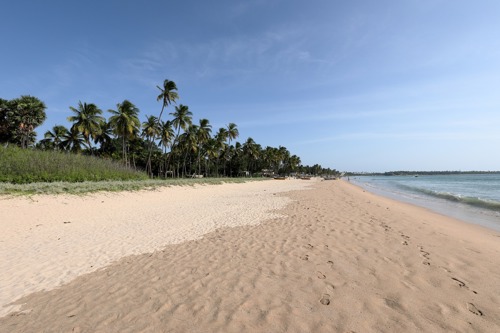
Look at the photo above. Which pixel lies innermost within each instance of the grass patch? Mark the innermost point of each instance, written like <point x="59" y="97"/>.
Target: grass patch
<point x="109" y="186"/>
<point x="24" y="166"/>
<point x="28" y="172"/>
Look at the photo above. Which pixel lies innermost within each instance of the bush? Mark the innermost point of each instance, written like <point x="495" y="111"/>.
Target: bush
<point x="22" y="166"/>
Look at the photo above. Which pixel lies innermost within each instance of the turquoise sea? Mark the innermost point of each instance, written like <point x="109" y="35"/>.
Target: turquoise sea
<point x="473" y="198"/>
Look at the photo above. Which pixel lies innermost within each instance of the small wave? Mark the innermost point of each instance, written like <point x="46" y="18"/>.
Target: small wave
<point x="471" y="201"/>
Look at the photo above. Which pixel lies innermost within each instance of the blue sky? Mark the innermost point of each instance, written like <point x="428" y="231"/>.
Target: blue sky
<point x="356" y="85"/>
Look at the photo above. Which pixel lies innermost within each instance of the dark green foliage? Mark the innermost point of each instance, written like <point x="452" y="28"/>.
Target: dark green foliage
<point x="19" y="118"/>
<point x="173" y="148"/>
<point x="21" y="166"/>
<point x="4" y="123"/>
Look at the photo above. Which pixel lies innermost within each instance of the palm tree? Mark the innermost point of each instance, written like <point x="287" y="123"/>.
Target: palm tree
<point x="21" y="116"/>
<point x="189" y="141"/>
<point x="168" y="95"/>
<point x="204" y="131"/>
<point x="150" y="130"/>
<point x="166" y="137"/>
<point x="72" y="141"/>
<point x="55" y="137"/>
<point x="251" y="152"/>
<point x="270" y="158"/>
<point x="220" y="139"/>
<point x="232" y="133"/>
<point x="294" y="163"/>
<point x="284" y="157"/>
<point x="182" y="119"/>
<point x="212" y="153"/>
<point x="87" y="121"/>
<point x="104" y="138"/>
<point x="236" y="158"/>
<point x="166" y="134"/>
<point x="125" y="123"/>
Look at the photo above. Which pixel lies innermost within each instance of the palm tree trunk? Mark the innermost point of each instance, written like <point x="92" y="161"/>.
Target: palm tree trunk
<point x="90" y="147"/>
<point x="151" y="145"/>
<point x="199" y="161"/>
<point x="124" y="152"/>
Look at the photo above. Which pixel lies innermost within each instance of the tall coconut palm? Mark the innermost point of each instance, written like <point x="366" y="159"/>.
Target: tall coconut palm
<point x="87" y="120"/>
<point x="294" y="163"/>
<point x="105" y="137"/>
<point x="204" y="131"/>
<point x="189" y="142"/>
<point x="212" y="153"/>
<point x="283" y="157"/>
<point x="72" y="141"/>
<point x="270" y="158"/>
<point x="166" y="134"/>
<point x="251" y="151"/>
<point x="236" y="158"/>
<point x="220" y="139"/>
<point x="125" y="124"/>
<point x="55" y="137"/>
<point x="150" y="130"/>
<point x="168" y="95"/>
<point x="182" y="119"/>
<point x="166" y="139"/>
<point x="232" y="133"/>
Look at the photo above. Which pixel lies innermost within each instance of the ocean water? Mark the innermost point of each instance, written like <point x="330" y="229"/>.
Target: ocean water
<point x="473" y="198"/>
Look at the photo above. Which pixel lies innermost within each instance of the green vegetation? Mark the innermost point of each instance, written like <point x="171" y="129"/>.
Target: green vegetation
<point x="19" y="118"/>
<point x="21" y="166"/>
<point x="94" y="148"/>
<point x="110" y="186"/>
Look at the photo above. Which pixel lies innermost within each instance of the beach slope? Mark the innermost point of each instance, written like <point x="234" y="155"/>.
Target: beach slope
<point x="335" y="259"/>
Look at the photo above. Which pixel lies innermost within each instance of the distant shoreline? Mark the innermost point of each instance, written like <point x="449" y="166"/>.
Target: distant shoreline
<point x="417" y="173"/>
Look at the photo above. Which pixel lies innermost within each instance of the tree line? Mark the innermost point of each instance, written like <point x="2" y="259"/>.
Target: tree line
<point x="176" y="147"/>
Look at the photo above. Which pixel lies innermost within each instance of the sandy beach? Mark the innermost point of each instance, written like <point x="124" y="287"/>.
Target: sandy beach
<point x="269" y="256"/>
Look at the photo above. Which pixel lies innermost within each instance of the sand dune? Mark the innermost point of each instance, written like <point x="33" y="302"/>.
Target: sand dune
<point x="335" y="259"/>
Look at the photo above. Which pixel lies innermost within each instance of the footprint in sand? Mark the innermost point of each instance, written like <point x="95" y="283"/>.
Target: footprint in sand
<point x="305" y="257"/>
<point x="325" y="299"/>
<point x="329" y="288"/>
<point x="462" y="284"/>
<point x="385" y="226"/>
<point x="472" y="308"/>
<point x="404" y="243"/>
<point x="329" y="262"/>
<point x="424" y="254"/>
<point x="321" y="276"/>
<point x="309" y="246"/>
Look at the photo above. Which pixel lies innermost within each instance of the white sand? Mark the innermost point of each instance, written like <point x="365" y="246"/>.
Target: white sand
<point x="338" y="259"/>
<point x="47" y="241"/>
